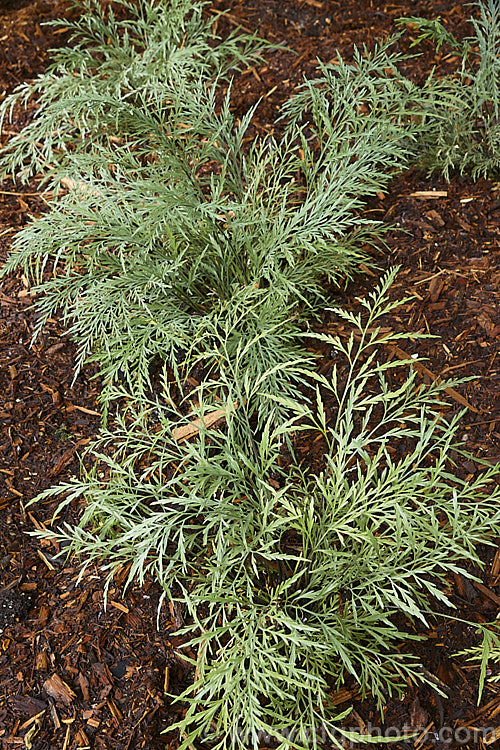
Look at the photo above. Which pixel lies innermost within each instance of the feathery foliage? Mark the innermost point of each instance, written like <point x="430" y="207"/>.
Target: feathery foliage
<point x="467" y="138"/>
<point x="292" y="576"/>
<point x="174" y="241"/>
<point x="486" y="653"/>
<point x="112" y="72"/>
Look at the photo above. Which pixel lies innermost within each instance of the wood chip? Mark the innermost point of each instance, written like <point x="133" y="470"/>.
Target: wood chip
<point x="190" y="430"/>
<point x="115" y="711"/>
<point x="72" y="407"/>
<point x="66" y="738"/>
<point x="423" y="736"/>
<point x="495" y="566"/>
<point x="45" y="560"/>
<point x="342" y="696"/>
<point x="84" y="685"/>
<point x="63" y="461"/>
<point x="175" y="609"/>
<point x="55" y="348"/>
<point x="367" y="270"/>
<point x="493" y="737"/>
<point x="27" y="704"/>
<point x="81" y="739"/>
<point x="435" y="288"/>
<point x="426" y="194"/>
<point x="487" y="592"/>
<point x="58" y="690"/>
<point x="485" y="322"/>
<point x="435" y="218"/>
<point x="42" y="661"/>
<point x="4" y="298"/>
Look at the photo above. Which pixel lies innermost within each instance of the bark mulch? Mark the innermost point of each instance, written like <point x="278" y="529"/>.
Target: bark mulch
<point x="75" y="673"/>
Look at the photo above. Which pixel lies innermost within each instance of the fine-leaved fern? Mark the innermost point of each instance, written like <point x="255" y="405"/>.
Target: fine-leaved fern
<point x="175" y="239"/>
<point x="173" y="245"/>
<point x="294" y="578"/>
<point x="467" y="138"/>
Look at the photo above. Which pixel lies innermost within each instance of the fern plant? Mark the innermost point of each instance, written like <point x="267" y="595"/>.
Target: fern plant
<point x="111" y="70"/>
<point x="487" y="652"/>
<point x="292" y="576"/>
<point x="173" y="232"/>
<point x="172" y="229"/>
<point x="178" y="243"/>
<point x="467" y="139"/>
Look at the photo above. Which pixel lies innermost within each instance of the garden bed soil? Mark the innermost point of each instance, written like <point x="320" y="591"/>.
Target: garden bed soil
<point x="75" y="673"/>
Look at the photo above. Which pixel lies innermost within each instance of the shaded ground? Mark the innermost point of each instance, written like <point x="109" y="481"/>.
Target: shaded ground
<point x="75" y="675"/>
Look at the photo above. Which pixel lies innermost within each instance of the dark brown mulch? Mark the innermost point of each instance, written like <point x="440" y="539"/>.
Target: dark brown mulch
<point x="74" y="674"/>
